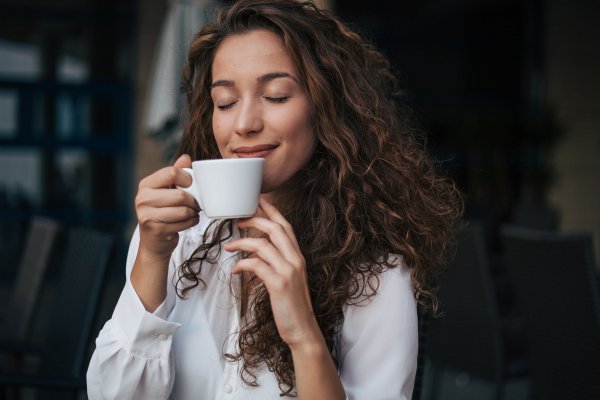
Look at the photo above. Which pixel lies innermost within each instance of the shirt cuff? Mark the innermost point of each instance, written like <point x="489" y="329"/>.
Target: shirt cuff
<point x="161" y="311"/>
<point x="140" y="332"/>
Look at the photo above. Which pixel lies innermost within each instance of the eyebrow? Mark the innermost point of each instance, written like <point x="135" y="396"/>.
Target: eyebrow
<point x="274" y="75"/>
<point x="261" y="79"/>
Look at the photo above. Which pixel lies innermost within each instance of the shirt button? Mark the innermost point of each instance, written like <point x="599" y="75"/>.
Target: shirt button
<point x="162" y="336"/>
<point x="228" y="388"/>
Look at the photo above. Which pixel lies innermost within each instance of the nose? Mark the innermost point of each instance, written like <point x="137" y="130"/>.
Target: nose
<point x="249" y="118"/>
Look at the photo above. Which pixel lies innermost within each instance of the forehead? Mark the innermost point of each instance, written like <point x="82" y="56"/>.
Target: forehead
<point x="251" y="53"/>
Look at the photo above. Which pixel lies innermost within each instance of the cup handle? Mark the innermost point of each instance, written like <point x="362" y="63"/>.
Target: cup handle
<point x="192" y="189"/>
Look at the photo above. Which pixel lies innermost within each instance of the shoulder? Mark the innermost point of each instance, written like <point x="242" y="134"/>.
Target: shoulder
<point x="397" y="274"/>
<point x="392" y="295"/>
<point x="393" y="283"/>
<point x="397" y="279"/>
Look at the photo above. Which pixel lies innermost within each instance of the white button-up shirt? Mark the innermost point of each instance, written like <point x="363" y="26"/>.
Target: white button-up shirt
<point x="177" y="351"/>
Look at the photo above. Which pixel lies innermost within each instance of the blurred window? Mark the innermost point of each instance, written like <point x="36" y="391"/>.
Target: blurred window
<point x="20" y="178"/>
<point x="19" y="61"/>
<point x="9" y="100"/>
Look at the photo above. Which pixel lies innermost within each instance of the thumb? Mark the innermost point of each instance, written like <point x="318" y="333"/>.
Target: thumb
<point x="184" y="161"/>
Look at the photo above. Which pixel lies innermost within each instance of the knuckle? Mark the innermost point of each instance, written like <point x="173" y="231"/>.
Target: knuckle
<point x="280" y="228"/>
<point x="140" y="198"/>
<point x="301" y="260"/>
<point x="286" y="226"/>
<point x="180" y="197"/>
<point x="171" y="173"/>
<point x="145" y="222"/>
<point x="143" y="183"/>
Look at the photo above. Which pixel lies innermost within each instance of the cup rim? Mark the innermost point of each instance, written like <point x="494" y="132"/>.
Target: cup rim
<point x="230" y="160"/>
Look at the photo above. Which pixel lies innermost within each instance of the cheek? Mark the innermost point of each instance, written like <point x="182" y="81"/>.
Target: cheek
<point x="219" y="132"/>
<point x="308" y="147"/>
<point x="295" y="124"/>
<point x="304" y="134"/>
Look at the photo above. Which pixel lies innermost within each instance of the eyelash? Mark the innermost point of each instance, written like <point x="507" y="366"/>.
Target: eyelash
<point x="281" y="99"/>
<point x="226" y="106"/>
<point x="278" y="100"/>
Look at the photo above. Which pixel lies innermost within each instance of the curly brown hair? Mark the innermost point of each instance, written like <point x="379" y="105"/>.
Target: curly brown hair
<point x="369" y="190"/>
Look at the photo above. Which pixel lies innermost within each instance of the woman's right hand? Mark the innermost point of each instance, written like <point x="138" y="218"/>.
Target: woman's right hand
<point x="163" y="211"/>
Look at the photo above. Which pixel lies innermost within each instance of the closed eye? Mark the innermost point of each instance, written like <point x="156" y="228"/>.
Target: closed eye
<point x="226" y="106"/>
<point x="282" y="99"/>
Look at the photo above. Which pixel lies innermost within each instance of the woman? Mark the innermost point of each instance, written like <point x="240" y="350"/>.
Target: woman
<point x="316" y="295"/>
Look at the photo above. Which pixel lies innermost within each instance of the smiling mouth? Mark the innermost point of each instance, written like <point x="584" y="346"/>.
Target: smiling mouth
<point x="260" y="151"/>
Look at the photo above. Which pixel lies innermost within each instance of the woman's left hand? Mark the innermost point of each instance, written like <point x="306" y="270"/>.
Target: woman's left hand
<point x="280" y="265"/>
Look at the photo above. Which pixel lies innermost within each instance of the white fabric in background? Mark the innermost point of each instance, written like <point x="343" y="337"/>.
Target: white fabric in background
<point x="183" y="20"/>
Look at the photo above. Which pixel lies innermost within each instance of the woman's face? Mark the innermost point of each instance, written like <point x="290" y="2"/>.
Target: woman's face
<point x="260" y="108"/>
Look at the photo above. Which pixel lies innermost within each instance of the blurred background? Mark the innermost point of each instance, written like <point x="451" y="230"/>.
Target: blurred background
<point x="507" y="91"/>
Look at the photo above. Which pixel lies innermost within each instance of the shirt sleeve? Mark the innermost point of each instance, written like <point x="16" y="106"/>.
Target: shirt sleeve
<point x="379" y="341"/>
<point x="132" y="359"/>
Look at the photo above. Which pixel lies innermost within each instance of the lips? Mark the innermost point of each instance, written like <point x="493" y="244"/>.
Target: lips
<point x="260" y="151"/>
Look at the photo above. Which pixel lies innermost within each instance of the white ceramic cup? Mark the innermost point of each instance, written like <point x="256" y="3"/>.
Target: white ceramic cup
<point x="226" y="188"/>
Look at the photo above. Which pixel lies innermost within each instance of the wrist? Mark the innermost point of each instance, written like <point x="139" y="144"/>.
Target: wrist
<point x="149" y="255"/>
<point x="313" y="345"/>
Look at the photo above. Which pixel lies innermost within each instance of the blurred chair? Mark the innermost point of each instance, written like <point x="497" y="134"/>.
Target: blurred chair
<point x="559" y="297"/>
<point x="65" y="349"/>
<point x="468" y="338"/>
<point x="16" y="320"/>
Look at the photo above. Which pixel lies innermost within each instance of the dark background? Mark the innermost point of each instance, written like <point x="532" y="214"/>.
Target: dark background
<point x="506" y="91"/>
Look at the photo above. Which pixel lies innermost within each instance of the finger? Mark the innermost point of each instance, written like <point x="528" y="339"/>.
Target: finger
<point x="261" y="270"/>
<point x="166" y="177"/>
<point x="170" y="229"/>
<point x="184" y="161"/>
<point x="250" y="265"/>
<point x="262" y="249"/>
<point x="274" y="215"/>
<point x="165" y="198"/>
<point x="169" y="215"/>
<point x="277" y="235"/>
